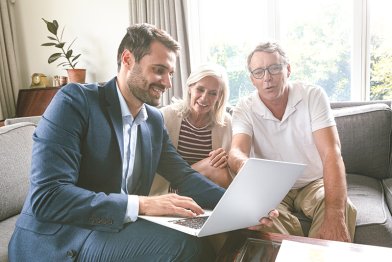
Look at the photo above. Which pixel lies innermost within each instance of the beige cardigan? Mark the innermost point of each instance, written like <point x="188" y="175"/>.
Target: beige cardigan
<point x="221" y="137"/>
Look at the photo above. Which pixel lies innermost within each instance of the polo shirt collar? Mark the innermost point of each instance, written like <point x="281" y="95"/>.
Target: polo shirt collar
<point x="261" y="109"/>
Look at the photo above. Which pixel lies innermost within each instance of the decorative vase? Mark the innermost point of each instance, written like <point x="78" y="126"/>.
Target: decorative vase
<point x="76" y="75"/>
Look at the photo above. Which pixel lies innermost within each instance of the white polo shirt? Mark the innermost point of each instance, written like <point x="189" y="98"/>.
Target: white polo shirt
<point x="291" y="138"/>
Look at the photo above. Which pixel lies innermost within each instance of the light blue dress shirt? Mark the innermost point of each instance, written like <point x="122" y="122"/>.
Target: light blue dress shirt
<point x="130" y="133"/>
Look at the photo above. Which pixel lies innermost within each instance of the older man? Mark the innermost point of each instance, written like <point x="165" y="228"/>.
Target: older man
<point x="293" y="122"/>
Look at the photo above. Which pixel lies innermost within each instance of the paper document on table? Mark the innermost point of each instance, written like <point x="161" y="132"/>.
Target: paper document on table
<point x="335" y="252"/>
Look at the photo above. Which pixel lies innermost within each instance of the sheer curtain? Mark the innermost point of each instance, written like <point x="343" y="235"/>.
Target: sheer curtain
<point x="9" y="70"/>
<point x="169" y="15"/>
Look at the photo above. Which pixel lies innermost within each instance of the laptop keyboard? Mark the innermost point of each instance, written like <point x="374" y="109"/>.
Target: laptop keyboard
<point x="192" y="222"/>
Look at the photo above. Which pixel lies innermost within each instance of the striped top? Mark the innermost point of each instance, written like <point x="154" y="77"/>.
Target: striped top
<point x="194" y="144"/>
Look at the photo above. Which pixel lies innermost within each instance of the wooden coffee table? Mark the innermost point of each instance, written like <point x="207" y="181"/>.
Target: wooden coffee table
<point x="245" y="245"/>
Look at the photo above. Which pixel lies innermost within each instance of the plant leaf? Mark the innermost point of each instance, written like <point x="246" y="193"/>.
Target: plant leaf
<point x="46" y="21"/>
<point x="76" y="57"/>
<point x="63" y="64"/>
<point x="60" y="45"/>
<point x="52" y="28"/>
<point x="48" y="44"/>
<point x="62" y="32"/>
<point x="71" y="44"/>
<point x="68" y="54"/>
<point x="54" y="57"/>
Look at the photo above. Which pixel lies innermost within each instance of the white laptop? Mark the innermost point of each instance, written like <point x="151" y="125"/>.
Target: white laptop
<point x="257" y="189"/>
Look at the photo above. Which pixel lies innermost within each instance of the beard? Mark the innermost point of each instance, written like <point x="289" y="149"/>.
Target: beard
<point x="140" y="88"/>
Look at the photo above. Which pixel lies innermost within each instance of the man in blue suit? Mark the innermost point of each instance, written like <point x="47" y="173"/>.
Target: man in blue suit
<point x="95" y="154"/>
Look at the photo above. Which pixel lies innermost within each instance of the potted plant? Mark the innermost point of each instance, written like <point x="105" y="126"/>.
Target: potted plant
<point x="71" y="60"/>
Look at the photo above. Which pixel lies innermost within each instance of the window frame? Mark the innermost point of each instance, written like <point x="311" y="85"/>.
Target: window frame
<point x="360" y="53"/>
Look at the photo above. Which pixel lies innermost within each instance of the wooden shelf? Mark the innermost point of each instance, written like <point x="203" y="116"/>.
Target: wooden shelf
<point x="33" y="101"/>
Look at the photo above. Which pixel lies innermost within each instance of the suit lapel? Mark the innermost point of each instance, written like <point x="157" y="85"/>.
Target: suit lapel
<point x="146" y="148"/>
<point x="111" y="103"/>
<point x="109" y="96"/>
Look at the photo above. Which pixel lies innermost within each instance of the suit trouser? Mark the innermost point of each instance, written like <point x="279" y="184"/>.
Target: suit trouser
<point x="309" y="200"/>
<point x="145" y="241"/>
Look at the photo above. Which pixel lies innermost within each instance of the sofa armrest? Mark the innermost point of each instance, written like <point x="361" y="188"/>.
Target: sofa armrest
<point x="30" y="119"/>
<point x="341" y="104"/>
<point x="387" y="184"/>
<point x="15" y="150"/>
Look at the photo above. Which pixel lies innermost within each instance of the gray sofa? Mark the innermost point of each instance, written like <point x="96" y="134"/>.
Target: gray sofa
<point x="365" y="130"/>
<point x="15" y="158"/>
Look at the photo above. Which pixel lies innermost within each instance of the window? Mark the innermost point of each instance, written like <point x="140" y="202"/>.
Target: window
<point x="380" y="50"/>
<point x="326" y="41"/>
<point x="319" y="43"/>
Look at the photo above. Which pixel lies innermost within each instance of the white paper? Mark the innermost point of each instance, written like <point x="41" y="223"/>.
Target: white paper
<point x="291" y="251"/>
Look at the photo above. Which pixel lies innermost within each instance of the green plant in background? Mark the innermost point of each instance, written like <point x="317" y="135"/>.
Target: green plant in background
<point x="57" y="41"/>
<point x="380" y="69"/>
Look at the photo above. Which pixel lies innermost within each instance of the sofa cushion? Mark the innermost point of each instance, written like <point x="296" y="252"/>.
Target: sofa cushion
<point x="365" y="133"/>
<point x="367" y="194"/>
<point x="387" y="183"/>
<point x="15" y="151"/>
<point x="374" y="222"/>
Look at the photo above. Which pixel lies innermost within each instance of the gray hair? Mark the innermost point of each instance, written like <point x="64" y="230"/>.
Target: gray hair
<point x="217" y="115"/>
<point x="269" y="47"/>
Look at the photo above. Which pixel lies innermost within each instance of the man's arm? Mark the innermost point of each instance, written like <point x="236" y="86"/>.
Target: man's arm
<point x="239" y="151"/>
<point x="328" y="146"/>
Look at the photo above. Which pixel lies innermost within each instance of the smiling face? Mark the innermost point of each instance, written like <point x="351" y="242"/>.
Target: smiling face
<point x="270" y="87"/>
<point x="204" y="95"/>
<point x="148" y="79"/>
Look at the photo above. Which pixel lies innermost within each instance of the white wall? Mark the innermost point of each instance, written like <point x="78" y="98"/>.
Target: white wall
<point x="99" y="26"/>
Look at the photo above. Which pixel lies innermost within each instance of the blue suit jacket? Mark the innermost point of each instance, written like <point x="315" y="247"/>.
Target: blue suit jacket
<point x="76" y="172"/>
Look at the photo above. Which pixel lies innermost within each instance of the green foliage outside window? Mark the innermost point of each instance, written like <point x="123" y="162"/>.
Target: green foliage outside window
<point x="381" y="74"/>
<point x="233" y="58"/>
<point x="319" y="48"/>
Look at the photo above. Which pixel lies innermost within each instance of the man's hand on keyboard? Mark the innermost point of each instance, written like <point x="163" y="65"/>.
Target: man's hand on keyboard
<point x="169" y="205"/>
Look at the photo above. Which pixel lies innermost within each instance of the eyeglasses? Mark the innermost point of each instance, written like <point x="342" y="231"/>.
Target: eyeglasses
<point x="272" y="69"/>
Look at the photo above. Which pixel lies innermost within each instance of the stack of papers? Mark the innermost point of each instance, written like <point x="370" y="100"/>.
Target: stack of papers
<point x="335" y="252"/>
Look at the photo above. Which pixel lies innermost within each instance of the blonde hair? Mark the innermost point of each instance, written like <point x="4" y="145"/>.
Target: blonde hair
<point x="217" y="115"/>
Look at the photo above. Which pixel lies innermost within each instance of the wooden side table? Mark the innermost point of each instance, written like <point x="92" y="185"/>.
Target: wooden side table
<point x="33" y="102"/>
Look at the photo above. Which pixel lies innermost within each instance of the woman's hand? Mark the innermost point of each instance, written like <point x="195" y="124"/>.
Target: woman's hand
<point x="218" y="158"/>
<point x="218" y="173"/>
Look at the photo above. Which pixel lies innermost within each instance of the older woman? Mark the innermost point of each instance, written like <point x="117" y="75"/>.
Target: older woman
<point x="200" y="127"/>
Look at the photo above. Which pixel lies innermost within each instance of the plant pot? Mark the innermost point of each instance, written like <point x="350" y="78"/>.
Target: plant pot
<point x="76" y="75"/>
